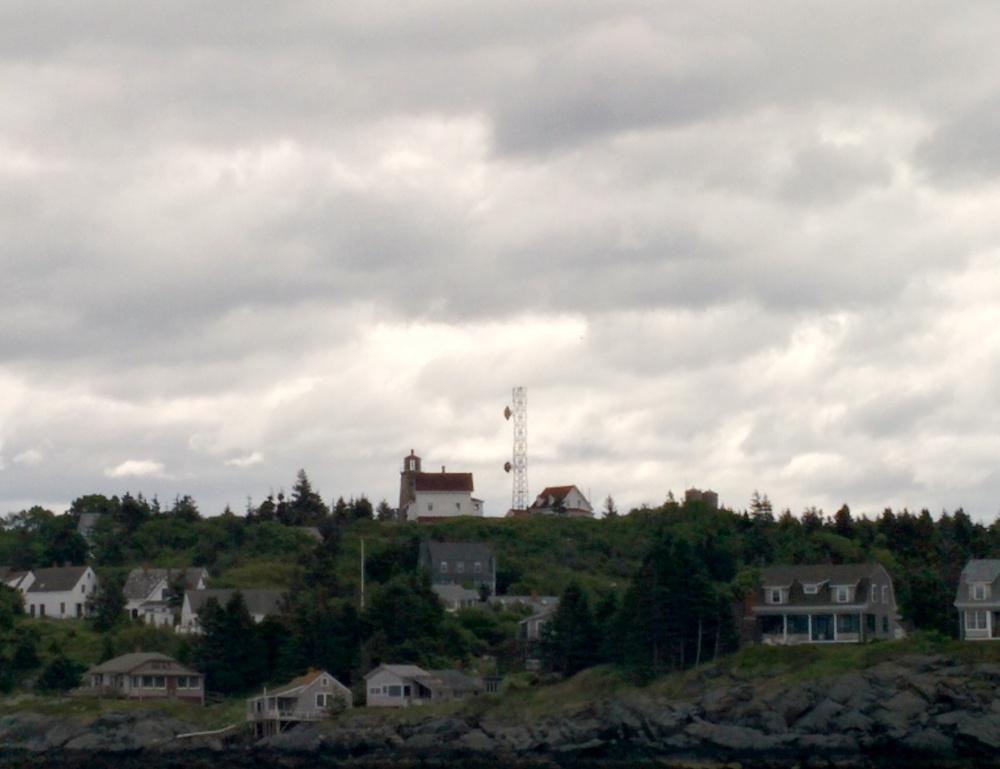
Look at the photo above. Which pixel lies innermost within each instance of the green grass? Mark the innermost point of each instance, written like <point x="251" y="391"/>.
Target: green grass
<point x="88" y="708"/>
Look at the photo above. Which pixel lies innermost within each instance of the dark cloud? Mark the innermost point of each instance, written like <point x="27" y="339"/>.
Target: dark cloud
<point x="722" y="245"/>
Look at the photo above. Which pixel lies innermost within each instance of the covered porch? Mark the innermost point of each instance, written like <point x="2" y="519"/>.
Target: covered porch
<point x="779" y="629"/>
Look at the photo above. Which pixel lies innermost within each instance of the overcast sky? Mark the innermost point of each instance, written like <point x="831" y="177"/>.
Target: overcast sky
<point x="725" y="244"/>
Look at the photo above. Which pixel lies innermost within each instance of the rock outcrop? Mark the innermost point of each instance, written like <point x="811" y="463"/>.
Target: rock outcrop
<point x="914" y="711"/>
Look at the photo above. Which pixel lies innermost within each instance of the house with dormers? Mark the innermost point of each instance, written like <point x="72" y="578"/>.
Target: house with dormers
<point x="146" y="676"/>
<point x="825" y="603"/>
<point x="978" y="600"/>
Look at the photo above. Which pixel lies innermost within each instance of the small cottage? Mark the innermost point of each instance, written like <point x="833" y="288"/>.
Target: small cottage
<point x="311" y="697"/>
<point x="469" y="564"/>
<point x="567" y="501"/>
<point x="147" y="676"/>
<point x="399" y="686"/>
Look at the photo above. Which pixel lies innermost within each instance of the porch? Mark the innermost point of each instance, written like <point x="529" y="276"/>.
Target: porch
<point x="817" y="627"/>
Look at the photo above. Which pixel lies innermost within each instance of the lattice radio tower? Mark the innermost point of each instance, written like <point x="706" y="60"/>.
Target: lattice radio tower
<point x="519" y="461"/>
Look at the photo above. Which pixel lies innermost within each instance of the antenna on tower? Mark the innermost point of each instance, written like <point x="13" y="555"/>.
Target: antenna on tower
<point x="519" y="460"/>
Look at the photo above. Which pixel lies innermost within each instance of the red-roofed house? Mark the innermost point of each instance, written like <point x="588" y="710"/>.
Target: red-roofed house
<point x="562" y="500"/>
<point x="428" y="496"/>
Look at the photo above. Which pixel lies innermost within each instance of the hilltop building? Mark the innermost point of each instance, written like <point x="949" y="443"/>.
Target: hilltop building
<point x="431" y="496"/>
<point x="562" y="500"/>
<point x="60" y="592"/>
<point x="147" y="592"/>
<point x="260" y="604"/>
<point x="708" y="498"/>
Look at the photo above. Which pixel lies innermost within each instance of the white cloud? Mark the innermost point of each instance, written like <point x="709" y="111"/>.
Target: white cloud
<point x="29" y="458"/>
<point x="254" y="458"/>
<point x="136" y="468"/>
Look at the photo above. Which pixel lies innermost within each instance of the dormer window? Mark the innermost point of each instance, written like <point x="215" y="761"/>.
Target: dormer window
<point x="810" y="588"/>
<point x="841" y="594"/>
<point x="979" y="592"/>
<point x="774" y="595"/>
<point x="444" y="567"/>
<point x="874" y="593"/>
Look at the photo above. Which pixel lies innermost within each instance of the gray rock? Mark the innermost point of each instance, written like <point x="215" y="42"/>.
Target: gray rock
<point x="736" y="738"/>
<point x="982" y="732"/>
<point x="476" y="741"/>
<point x="819" y="718"/>
<point x="928" y="741"/>
<point x="849" y="689"/>
<point x="852" y="721"/>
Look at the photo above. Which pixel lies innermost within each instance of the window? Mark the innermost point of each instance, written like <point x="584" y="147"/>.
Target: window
<point x="477" y="567"/>
<point x="62" y="609"/>
<point x="774" y="595"/>
<point x="870" y="623"/>
<point x="798" y="624"/>
<point x="771" y="624"/>
<point x="460" y="567"/>
<point x="444" y="567"/>
<point x="41" y="610"/>
<point x="975" y="620"/>
<point x="458" y="505"/>
<point x="979" y="592"/>
<point x="182" y="682"/>
<point x="31" y="610"/>
<point x="194" y="682"/>
<point x="395" y="691"/>
<point x="374" y="690"/>
<point x="810" y="589"/>
<point x="147" y="682"/>
<point x="79" y="610"/>
<point x="406" y="691"/>
<point x="259" y="706"/>
<point x="874" y="593"/>
<point x="848" y="623"/>
<point x="321" y="700"/>
<point x="161" y="682"/>
<point x="430" y="506"/>
<point x="841" y="594"/>
<point x="885" y="594"/>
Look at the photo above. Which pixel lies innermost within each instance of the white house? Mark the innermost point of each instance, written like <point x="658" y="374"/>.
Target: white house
<point x="60" y="592"/>
<point x="146" y="592"/>
<point x="260" y="604"/>
<point x="429" y="496"/>
<point x="399" y="686"/>
<point x="978" y="600"/>
<point x="19" y="580"/>
<point x="562" y="500"/>
<point x="310" y="697"/>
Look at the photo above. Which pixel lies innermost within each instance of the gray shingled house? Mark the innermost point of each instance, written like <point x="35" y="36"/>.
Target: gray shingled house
<point x="825" y="603"/>
<point x="310" y="697"/>
<point x="147" y="676"/>
<point x="469" y="564"/>
<point x="978" y="600"/>
<point x="399" y="686"/>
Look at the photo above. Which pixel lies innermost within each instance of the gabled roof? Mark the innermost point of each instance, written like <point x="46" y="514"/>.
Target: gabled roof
<point x="815" y="573"/>
<point x="126" y="663"/>
<point x="403" y="671"/>
<point x="981" y="570"/>
<point x="57" y="579"/>
<point x="141" y="582"/>
<point x="301" y="682"/>
<point x="459" y="551"/>
<point x="264" y="602"/>
<point x="452" y="680"/>
<point x="555" y="492"/>
<point x="443" y="482"/>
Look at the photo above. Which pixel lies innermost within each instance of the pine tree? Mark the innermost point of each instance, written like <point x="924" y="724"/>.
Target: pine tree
<point x="570" y="641"/>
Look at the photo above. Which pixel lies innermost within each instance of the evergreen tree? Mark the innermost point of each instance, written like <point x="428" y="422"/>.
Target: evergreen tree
<point x="610" y="510"/>
<point x="60" y="674"/>
<point x="106" y="606"/>
<point x="230" y="651"/>
<point x="306" y="507"/>
<point x="361" y="509"/>
<point x="383" y="512"/>
<point x="570" y="641"/>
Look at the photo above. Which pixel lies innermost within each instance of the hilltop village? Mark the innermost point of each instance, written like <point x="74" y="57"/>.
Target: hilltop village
<point x="301" y="611"/>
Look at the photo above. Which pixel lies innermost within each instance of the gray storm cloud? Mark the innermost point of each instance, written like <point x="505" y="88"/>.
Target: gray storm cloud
<point x="727" y="246"/>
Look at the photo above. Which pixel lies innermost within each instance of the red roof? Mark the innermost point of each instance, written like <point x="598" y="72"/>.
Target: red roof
<point x="444" y="482"/>
<point x="558" y="492"/>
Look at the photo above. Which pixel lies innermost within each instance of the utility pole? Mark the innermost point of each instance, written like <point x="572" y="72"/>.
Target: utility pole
<point x="362" y="575"/>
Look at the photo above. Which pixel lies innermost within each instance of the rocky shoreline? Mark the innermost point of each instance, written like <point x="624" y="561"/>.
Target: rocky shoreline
<point x="913" y="711"/>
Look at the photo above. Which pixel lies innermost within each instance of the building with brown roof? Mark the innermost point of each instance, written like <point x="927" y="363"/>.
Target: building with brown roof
<point x="431" y="496"/>
<point x="310" y="697"/>
<point x="562" y="500"/>
<point x="825" y="603"/>
<point x="147" y="676"/>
